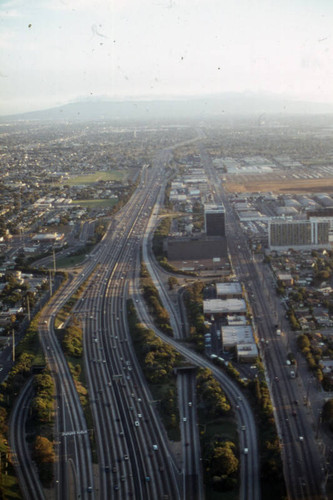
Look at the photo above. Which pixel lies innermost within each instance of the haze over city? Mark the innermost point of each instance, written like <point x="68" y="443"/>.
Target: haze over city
<point x="58" y="51"/>
<point x="166" y="250"/>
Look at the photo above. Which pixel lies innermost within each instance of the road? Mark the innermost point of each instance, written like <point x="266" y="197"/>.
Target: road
<point x="250" y="484"/>
<point x="303" y="463"/>
<point x="25" y="469"/>
<point x="133" y="456"/>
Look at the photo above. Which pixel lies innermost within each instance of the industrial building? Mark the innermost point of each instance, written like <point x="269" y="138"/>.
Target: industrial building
<point x="219" y="307"/>
<point x="199" y="253"/>
<point x="229" y="290"/>
<point x="240" y="337"/>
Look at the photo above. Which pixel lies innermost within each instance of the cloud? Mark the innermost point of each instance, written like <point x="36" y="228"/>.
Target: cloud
<point x="9" y="13"/>
<point x="75" y="5"/>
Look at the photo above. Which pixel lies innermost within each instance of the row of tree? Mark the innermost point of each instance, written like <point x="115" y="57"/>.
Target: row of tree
<point x="72" y="340"/>
<point x="158" y="361"/>
<point x="313" y="355"/>
<point x="193" y="298"/>
<point x="42" y="413"/>
<point x="156" y="309"/>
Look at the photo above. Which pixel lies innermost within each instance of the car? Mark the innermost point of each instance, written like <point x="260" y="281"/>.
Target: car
<point x="243" y="427"/>
<point x="116" y="487"/>
<point x="190" y="403"/>
<point x="301" y="438"/>
<point x="294" y="413"/>
<point x="114" y="469"/>
<point x="89" y="489"/>
<point x="246" y="451"/>
<point x="139" y="415"/>
<point x="125" y="457"/>
<point x="137" y="423"/>
<point x="184" y="419"/>
<point x="155" y="447"/>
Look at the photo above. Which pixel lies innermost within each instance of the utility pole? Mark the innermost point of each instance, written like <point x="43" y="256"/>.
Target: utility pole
<point x="54" y="263"/>
<point x="28" y="307"/>
<point x="50" y="278"/>
<point x="13" y="346"/>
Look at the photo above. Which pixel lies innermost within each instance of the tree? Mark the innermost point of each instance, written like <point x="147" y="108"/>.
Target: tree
<point x="44" y="451"/>
<point x="172" y="282"/>
<point x="224" y="461"/>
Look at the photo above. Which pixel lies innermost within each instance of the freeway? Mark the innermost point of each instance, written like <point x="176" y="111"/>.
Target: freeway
<point x="192" y="467"/>
<point x="134" y="458"/>
<point x="26" y="471"/>
<point x="133" y="455"/>
<point x="250" y="484"/>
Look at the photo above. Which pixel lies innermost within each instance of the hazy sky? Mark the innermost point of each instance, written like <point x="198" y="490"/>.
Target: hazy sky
<point x="54" y="51"/>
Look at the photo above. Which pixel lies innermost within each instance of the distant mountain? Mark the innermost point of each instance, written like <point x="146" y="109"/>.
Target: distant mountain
<point x="181" y="108"/>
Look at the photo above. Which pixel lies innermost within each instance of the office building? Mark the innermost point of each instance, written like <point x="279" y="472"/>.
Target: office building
<point x="214" y="220"/>
<point x="298" y="234"/>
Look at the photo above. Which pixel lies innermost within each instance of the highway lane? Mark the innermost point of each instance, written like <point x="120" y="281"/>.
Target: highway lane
<point x="192" y="466"/>
<point x="126" y="423"/>
<point x="74" y="465"/>
<point x="250" y="484"/>
<point x="25" y="468"/>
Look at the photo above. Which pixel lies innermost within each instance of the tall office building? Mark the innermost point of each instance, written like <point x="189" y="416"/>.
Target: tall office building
<point x="214" y="220"/>
<point x="298" y="234"/>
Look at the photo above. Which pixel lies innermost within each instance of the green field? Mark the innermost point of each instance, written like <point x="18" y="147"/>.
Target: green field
<point x="70" y="261"/>
<point x="103" y="203"/>
<point x="115" y="175"/>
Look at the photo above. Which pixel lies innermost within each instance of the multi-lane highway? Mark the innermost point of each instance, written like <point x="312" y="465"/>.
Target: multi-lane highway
<point x="133" y="456"/>
<point x="250" y="483"/>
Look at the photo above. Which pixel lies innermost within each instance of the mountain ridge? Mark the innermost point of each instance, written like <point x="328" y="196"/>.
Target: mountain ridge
<point x="202" y="107"/>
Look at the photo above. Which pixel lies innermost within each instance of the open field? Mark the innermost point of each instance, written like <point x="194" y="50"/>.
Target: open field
<point x="288" y="185"/>
<point x="114" y="175"/>
<point x="104" y="203"/>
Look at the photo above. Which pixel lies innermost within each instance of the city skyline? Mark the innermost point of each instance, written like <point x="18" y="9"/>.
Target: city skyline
<point x="59" y="51"/>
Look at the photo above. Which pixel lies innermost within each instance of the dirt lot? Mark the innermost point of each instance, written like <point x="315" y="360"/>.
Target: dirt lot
<point x="266" y="183"/>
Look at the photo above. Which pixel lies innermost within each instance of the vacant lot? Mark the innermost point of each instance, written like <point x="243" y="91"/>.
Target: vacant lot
<point x="287" y="185"/>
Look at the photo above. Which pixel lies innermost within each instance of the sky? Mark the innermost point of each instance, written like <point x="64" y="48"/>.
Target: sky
<point x="58" y="51"/>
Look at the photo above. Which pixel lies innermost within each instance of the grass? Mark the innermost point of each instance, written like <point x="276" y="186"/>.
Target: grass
<point x="103" y="203"/>
<point x="218" y="495"/>
<point x="71" y="261"/>
<point x="116" y="175"/>
<point x="224" y="427"/>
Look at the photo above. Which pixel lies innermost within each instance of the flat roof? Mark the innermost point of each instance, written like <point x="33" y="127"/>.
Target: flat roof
<point x="228" y="288"/>
<point x="237" y="334"/>
<point x="213" y="306"/>
<point x="247" y="350"/>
